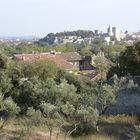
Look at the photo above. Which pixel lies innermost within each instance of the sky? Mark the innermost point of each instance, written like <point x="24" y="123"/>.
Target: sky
<point x="40" y="17"/>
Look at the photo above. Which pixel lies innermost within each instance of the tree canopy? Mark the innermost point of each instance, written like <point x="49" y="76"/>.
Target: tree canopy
<point x="130" y="60"/>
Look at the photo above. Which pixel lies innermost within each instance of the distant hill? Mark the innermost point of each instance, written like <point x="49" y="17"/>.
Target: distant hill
<point x="68" y="36"/>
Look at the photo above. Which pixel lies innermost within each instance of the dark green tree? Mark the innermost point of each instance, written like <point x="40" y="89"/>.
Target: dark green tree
<point x="130" y="60"/>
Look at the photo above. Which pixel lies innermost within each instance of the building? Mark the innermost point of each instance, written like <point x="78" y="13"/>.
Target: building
<point x="67" y="61"/>
<point x="107" y="39"/>
<point x="97" y="32"/>
<point x="87" y="63"/>
<point x="109" y="31"/>
<point x="116" y="33"/>
<point x="73" y="58"/>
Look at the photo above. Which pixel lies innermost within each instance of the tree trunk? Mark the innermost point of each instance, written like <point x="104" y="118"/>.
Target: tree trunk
<point x="50" y="134"/>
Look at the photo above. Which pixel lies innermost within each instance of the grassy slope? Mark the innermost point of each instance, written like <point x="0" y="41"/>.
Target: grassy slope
<point x="111" y="128"/>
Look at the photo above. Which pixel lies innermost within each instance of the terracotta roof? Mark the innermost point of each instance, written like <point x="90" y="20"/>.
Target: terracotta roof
<point x="71" y="56"/>
<point x="58" y="59"/>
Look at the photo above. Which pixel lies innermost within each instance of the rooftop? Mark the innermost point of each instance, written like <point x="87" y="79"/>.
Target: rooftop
<point x="61" y="59"/>
<point x="71" y="56"/>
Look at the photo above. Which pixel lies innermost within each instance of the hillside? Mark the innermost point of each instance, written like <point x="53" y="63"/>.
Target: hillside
<point x="68" y="36"/>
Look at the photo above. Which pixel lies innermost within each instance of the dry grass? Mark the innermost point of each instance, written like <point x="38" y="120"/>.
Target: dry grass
<point x="95" y="137"/>
<point x="110" y="128"/>
<point x="121" y="119"/>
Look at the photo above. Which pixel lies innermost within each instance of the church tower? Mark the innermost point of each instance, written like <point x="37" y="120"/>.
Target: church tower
<point x="109" y="31"/>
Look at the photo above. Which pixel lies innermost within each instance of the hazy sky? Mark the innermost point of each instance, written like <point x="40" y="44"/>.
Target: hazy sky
<point x="39" y="17"/>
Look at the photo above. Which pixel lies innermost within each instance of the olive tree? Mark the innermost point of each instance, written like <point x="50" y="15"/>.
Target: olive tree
<point x="8" y="109"/>
<point x="51" y="114"/>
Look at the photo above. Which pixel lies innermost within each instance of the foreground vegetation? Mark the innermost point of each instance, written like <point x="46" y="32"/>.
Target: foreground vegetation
<point x="46" y="94"/>
<point x="39" y="96"/>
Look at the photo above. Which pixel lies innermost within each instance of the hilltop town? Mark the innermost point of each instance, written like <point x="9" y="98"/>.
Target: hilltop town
<point x="112" y="36"/>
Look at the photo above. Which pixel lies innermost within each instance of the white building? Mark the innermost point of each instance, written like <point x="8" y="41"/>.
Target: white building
<point x="107" y="39"/>
<point x="116" y="33"/>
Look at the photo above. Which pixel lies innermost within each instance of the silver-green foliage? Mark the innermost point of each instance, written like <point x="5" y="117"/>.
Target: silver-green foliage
<point x="8" y="106"/>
